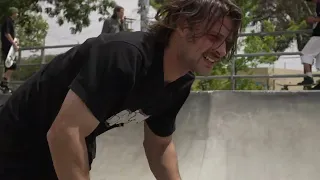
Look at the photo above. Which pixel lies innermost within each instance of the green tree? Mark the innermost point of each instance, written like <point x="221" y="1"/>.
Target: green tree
<point x="76" y="11"/>
<point x="284" y="15"/>
<point x="32" y="28"/>
<point x="33" y="32"/>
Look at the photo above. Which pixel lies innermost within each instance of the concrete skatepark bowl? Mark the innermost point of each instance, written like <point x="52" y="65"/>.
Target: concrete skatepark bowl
<point x="226" y="135"/>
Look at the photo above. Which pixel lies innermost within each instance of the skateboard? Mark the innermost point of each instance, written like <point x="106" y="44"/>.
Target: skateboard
<point x="305" y="86"/>
<point x="4" y="91"/>
<point x="12" y="55"/>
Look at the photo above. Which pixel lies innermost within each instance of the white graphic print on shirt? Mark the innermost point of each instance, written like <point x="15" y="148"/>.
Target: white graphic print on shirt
<point x="127" y="116"/>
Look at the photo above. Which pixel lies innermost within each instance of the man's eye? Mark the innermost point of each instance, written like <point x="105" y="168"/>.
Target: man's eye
<point x="213" y="37"/>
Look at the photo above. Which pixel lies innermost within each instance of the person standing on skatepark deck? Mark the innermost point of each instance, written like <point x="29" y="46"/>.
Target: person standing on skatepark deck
<point x="7" y="40"/>
<point x="49" y="125"/>
<point x="311" y="50"/>
<point x="116" y="23"/>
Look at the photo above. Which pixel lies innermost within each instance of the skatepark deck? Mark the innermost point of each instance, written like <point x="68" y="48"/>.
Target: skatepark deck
<point x="225" y="135"/>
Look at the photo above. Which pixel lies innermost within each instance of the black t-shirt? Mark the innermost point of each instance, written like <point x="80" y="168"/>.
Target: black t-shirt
<point x="118" y="76"/>
<point x="316" y="30"/>
<point x="123" y="82"/>
<point x="7" y="27"/>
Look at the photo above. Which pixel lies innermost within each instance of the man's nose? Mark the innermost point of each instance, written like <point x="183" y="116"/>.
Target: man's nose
<point x="221" y="51"/>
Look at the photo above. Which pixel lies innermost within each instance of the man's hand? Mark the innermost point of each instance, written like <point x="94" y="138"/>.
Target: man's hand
<point x="161" y="155"/>
<point x="14" y="43"/>
<point x="122" y="19"/>
<point x="312" y="19"/>
<point x="66" y="139"/>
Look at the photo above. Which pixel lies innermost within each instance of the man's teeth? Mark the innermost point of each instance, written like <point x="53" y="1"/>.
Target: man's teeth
<point x="209" y="59"/>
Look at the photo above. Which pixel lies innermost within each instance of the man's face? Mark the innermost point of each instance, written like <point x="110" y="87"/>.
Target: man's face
<point x="120" y="13"/>
<point x="201" y="54"/>
<point x="15" y="15"/>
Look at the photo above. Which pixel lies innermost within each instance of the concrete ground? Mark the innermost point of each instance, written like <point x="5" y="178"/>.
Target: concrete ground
<point x="227" y="135"/>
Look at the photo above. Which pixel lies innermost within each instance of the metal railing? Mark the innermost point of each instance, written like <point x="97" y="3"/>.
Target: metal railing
<point x="232" y="76"/>
<point x="306" y="31"/>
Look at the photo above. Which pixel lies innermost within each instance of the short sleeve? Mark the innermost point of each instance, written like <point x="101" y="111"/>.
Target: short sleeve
<point x="165" y="124"/>
<point x="6" y="26"/>
<point x="109" y="74"/>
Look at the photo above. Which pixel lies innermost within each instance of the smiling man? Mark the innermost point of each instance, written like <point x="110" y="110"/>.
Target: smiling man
<point x="49" y="125"/>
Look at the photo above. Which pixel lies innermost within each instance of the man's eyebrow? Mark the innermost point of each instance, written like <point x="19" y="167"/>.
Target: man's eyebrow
<point x="226" y="27"/>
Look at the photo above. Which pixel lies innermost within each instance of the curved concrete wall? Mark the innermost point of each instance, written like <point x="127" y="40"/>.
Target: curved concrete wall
<point x="226" y="135"/>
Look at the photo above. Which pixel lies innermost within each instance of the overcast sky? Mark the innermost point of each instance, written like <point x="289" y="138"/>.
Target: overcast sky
<point x="61" y="35"/>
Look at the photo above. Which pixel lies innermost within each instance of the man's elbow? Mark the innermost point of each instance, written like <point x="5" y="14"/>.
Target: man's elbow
<point x="157" y="147"/>
<point x="57" y="132"/>
<point x="53" y="135"/>
<point x="153" y="143"/>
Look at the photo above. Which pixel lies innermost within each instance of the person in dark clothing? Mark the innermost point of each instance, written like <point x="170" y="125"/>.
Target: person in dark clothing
<point x="7" y="40"/>
<point x="115" y="23"/>
<point x="48" y="127"/>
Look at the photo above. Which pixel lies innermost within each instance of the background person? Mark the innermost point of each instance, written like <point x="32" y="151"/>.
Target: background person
<point x="115" y="23"/>
<point x="311" y="50"/>
<point x="7" y="40"/>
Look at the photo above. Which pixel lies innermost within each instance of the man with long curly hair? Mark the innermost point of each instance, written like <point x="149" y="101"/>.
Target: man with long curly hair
<point x="49" y="125"/>
<point x="115" y="23"/>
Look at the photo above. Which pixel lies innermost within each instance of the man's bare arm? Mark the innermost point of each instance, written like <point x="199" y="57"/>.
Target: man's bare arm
<point x="161" y="155"/>
<point x="66" y="139"/>
<point x="317" y="19"/>
<point x="9" y="37"/>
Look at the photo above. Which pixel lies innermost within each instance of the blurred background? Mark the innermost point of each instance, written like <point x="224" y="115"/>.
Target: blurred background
<point x="273" y="34"/>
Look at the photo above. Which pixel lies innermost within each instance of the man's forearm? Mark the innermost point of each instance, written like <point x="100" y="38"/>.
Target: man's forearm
<point x="69" y="155"/>
<point x="163" y="162"/>
<point x="9" y="37"/>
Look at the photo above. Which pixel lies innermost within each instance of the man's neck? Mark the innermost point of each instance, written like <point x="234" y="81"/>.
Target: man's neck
<point x="172" y="67"/>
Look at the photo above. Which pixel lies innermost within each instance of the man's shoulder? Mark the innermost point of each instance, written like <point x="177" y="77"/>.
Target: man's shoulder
<point x="7" y="20"/>
<point x="110" y="20"/>
<point x="138" y="42"/>
<point x="141" y="40"/>
<point x="4" y="21"/>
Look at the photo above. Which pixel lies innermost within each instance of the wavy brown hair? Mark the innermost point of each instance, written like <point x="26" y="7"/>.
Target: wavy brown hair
<point x="195" y="12"/>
